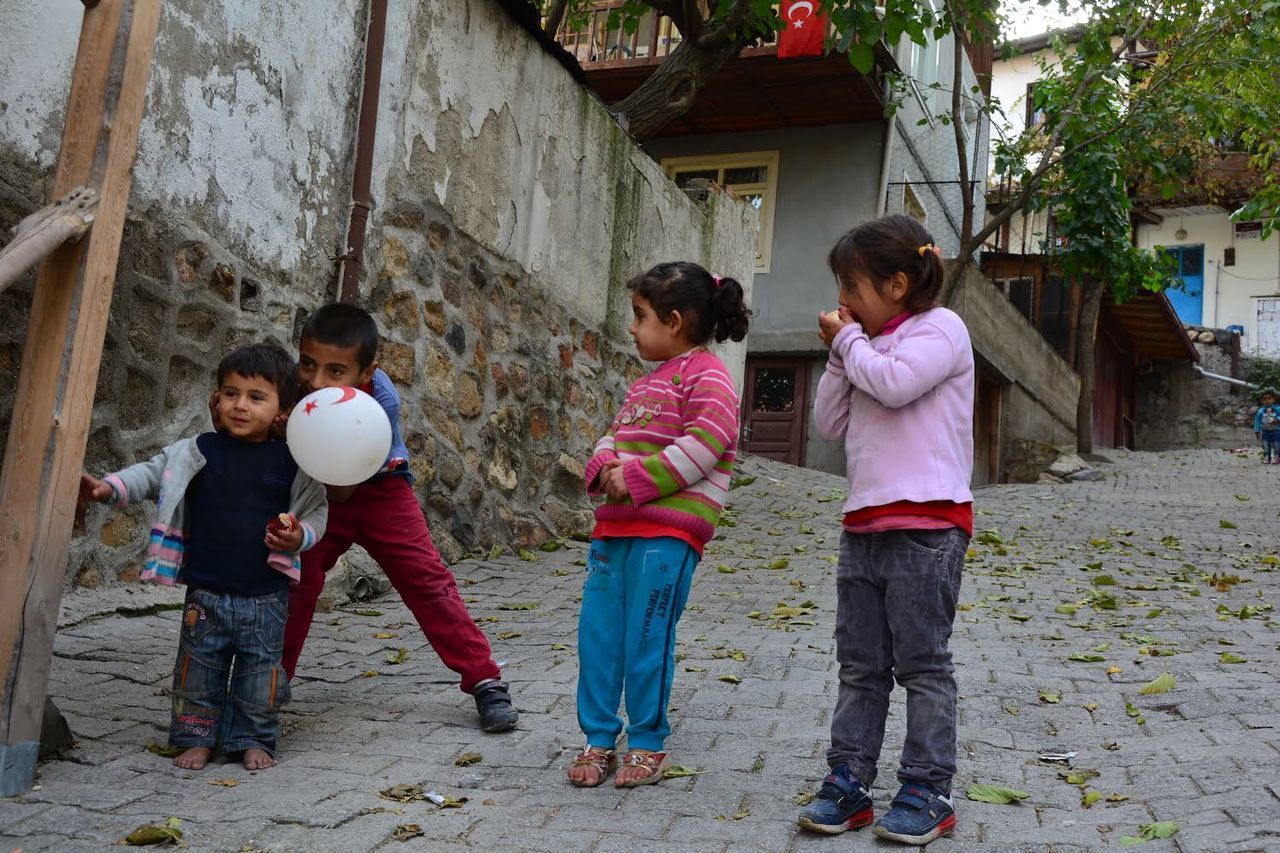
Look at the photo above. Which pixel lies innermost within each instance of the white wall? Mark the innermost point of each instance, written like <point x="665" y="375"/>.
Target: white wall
<point x="1229" y="292"/>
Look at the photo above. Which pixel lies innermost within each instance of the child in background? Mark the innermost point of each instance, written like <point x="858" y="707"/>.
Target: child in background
<point x="664" y="469"/>
<point x="382" y="515"/>
<point x="233" y="511"/>
<point x="899" y="389"/>
<point x="1266" y="426"/>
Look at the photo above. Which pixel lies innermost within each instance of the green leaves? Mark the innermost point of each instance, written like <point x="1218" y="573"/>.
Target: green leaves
<point x="995" y="794"/>
<point x="519" y="605"/>
<point x="1150" y="831"/>
<point x="148" y="834"/>
<point x="1231" y="657"/>
<point x="398" y="656"/>
<point x="1086" y="657"/>
<point x="1050" y="697"/>
<point x="1162" y="683"/>
<point x="677" y="771"/>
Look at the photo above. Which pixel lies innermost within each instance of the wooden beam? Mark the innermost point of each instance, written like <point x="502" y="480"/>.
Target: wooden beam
<point x="54" y="402"/>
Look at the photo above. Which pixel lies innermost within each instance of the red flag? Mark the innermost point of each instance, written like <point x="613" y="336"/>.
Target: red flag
<point x="806" y="29"/>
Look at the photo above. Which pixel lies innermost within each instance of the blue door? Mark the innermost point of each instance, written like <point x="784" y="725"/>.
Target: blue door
<point x="1188" y="298"/>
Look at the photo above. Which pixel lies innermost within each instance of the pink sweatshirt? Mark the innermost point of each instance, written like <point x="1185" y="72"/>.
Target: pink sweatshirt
<point x="904" y="404"/>
<point x="676" y="434"/>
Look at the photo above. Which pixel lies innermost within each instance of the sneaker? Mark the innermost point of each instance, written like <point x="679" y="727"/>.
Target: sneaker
<point x="918" y="815"/>
<point x="493" y="701"/>
<point x="842" y="803"/>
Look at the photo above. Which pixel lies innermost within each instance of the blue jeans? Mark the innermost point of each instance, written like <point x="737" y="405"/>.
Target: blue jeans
<point x="633" y="596"/>
<point x="228" y="685"/>
<point x="1271" y="444"/>
<point x="896" y="602"/>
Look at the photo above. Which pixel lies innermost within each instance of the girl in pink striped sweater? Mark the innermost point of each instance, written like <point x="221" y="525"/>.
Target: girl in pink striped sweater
<point x="663" y="468"/>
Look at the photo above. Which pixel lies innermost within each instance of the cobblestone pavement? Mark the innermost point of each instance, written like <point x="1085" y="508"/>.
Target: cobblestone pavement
<point x="1076" y="597"/>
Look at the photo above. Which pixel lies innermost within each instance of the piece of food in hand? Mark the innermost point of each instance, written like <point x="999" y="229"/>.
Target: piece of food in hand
<point x="282" y="523"/>
<point x="833" y="316"/>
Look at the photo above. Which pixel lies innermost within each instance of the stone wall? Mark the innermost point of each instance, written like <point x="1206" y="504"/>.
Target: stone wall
<point x="509" y="210"/>
<point x="1178" y="407"/>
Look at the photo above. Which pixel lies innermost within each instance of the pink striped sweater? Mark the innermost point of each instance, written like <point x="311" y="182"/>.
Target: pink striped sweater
<point x="676" y="434"/>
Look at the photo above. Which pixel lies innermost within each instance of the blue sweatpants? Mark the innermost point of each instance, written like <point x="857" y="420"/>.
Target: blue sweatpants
<point x="633" y="596"/>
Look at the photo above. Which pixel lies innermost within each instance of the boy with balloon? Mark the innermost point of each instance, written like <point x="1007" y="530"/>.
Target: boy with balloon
<point x="346" y="433"/>
<point x="233" y="512"/>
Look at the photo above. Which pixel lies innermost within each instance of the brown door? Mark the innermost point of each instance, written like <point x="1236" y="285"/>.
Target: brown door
<point x="986" y="430"/>
<point x="775" y="408"/>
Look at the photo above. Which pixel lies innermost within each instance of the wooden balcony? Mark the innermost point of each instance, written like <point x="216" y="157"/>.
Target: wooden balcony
<point x="755" y="91"/>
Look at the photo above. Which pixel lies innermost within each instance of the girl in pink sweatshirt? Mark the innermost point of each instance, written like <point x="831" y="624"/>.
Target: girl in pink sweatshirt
<point x="899" y="389"/>
<point x="664" y="469"/>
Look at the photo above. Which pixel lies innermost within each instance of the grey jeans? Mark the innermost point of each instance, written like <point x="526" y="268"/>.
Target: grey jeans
<point x="896" y="601"/>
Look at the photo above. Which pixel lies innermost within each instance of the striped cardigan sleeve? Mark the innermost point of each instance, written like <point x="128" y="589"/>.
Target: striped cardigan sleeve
<point x="710" y="420"/>
<point x="602" y="455"/>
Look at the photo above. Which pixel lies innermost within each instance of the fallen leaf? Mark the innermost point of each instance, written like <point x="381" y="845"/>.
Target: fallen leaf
<point x="528" y="556"/>
<point x="520" y="605"/>
<point x="1117" y="798"/>
<point x="677" y="771"/>
<point x="1067" y="609"/>
<point x="367" y="612"/>
<point x="1227" y="525"/>
<point x="1229" y="657"/>
<point x="397" y="657"/>
<point x="163" y="751"/>
<point x="405" y="831"/>
<point x="550" y="546"/>
<point x="495" y="552"/>
<point x="1150" y="831"/>
<point x="402" y="793"/>
<point x="147" y="834"/>
<point x="1050" y="697"/>
<point x="558" y="647"/>
<point x="383" y="635"/>
<point x="1133" y="711"/>
<point x="1079" y="778"/>
<point x="778" y="563"/>
<point x="995" y="794"/>
<point x="1111" y="746"/>
<point x="224" y="783"/>
<point x="1090" y="798"/>
<point x="1162" y="683"/>
<point x="509" y="635"/>
<point x="805" y="798"/>
<point x="731" y="679"/>
<point x="1114" y="670"/>
<point x="369" y="673"/>
<point x="467" y="759"/>
<point x="693" y="668"/>
<point x="1086" y="657"/>
<point x="725" y="570"/>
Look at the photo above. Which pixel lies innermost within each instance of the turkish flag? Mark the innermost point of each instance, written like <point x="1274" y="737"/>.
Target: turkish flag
<point x="806" y="29"/>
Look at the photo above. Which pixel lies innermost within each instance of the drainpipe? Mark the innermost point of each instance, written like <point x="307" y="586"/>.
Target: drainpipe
<point x="351" y="262"/>
<point x="1207" y="375"/>
<point x="886" y="156"/>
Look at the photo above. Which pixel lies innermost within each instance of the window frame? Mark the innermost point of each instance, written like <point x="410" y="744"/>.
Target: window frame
<point x="768" y="189"/>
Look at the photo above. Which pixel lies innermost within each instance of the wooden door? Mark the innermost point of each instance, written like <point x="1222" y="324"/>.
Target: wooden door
<point x="986" y="430"/>
<point x="775" y="408"/>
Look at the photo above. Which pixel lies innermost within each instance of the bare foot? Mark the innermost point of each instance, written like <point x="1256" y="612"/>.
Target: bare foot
<point x="257" y="759"/>
<point x="585" y="776"/>
<point x="194" y="758"/>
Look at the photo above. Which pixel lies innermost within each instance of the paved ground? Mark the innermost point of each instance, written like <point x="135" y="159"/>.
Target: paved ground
<point x="1188" y="540"/>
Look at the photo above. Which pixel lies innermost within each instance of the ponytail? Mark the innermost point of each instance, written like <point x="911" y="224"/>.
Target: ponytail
<point x="716" y="305"/>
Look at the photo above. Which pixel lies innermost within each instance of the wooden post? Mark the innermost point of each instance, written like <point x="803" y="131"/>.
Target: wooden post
<point x="65" y="334"/>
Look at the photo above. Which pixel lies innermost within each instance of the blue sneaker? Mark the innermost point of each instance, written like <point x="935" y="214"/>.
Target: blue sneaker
<point x="918" y="815"/>
<point x="842" y="803"/>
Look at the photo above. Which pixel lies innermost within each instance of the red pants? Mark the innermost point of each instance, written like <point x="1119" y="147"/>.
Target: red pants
<point x="384" y="518"/>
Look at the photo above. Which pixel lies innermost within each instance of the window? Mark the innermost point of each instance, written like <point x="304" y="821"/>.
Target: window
<point x="753" y="177"/>
<point x="1035" y="117"/>
<point x="1021" y="292"/>
<point x="911" y="205"/>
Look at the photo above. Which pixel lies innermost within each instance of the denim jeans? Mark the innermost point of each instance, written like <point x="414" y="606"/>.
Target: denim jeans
<point x="1271" y="444"/>
<point x="228" y="684"/>
<point x="896" y="601"/>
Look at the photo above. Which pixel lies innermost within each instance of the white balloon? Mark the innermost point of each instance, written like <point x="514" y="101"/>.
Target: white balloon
<point x="339" y="436"/>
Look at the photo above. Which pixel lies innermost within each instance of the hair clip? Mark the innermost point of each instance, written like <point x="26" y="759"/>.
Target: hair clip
<point x="928" y="247"/>
<point x="715" y="280"/>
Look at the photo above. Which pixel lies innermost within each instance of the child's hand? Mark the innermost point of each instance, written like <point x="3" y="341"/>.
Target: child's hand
<point x="93" y="489"/>
<point x="831" y="322"/>
<point x="279" y="424"/>
<point x="284" y="533"/>
<point x="613" y="483"/>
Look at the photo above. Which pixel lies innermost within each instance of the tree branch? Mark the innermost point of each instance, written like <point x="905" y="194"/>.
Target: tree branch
<point x="729" y="30"/>
<point x="962" y="153"/>
<point x="554" y="17"/>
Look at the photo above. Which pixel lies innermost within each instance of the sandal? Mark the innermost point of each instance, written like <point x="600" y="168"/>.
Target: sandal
<point x="654" y="762"/>
<point x="605" y="761"/>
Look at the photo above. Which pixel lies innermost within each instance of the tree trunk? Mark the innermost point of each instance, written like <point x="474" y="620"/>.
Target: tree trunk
<point x="1086" y="343"/>
<point x="672" y="88"/>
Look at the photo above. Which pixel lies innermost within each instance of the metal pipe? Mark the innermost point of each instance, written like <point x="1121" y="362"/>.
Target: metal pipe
<point x="351" y="262"/>
<point x="1206" y="374"/>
